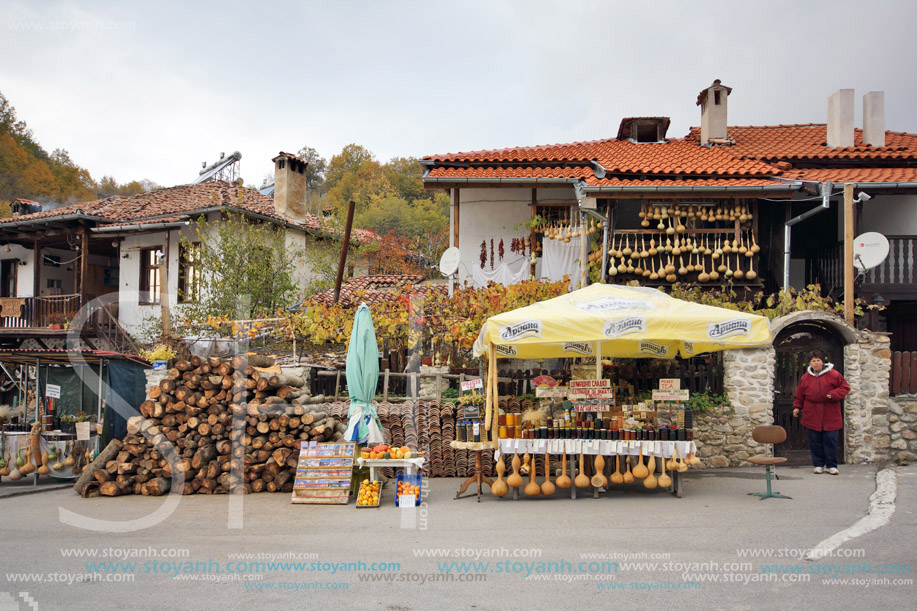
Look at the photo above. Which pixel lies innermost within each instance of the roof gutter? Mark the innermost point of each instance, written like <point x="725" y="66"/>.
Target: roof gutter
<point x="139" y="227"/>
<point x="690" y="189"/>
<point x="485" y="181"/>
<point x="51" y="219"/>
<point x="787" y="234"/>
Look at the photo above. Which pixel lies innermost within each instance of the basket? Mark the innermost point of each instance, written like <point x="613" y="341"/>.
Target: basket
<point x="415" y="479"/>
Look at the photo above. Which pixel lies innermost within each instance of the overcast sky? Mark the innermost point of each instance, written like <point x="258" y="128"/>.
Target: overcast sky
<point x="151" y="89"/>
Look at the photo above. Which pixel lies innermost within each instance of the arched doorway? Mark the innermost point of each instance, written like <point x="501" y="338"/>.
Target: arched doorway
<point x="792" y="344"/>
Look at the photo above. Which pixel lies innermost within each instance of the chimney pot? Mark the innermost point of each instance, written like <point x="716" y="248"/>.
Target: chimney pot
<point x="840" y="119"/>
<point x="290" y="186"/>
<point x="713" y="115"/>
<point x="874" y="118"/>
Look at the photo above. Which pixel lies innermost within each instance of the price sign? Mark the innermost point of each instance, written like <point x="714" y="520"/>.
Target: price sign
<point x="670" y="395"/>
<point x="670" y="384"/>
<point x="471" y="412"/>
<point x="472" y="384"/>
<point x="591" y="389"/>
<point x="52" y="390"/>
<point x="550" y="392"/>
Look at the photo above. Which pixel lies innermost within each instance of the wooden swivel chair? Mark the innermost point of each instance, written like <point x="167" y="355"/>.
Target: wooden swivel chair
<point x="768" y="434"/>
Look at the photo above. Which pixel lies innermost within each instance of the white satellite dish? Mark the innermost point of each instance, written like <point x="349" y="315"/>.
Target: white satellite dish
<point x="449" y="262"/>
<point x="869" y="250"/>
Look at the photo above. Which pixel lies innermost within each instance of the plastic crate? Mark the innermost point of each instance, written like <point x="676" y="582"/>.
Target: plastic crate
<point x="415" y="479"/>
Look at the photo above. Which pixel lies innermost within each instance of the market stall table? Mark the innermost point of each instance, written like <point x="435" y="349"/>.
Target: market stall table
<point x="477" y="447"/>
<point x="410" y="465"/>
<point x="594" y="447"/>
<point x="66" y="443"/>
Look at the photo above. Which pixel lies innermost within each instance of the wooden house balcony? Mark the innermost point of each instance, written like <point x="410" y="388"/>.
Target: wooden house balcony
<point x="37" y="313"/>
<point x="894" y="279"/>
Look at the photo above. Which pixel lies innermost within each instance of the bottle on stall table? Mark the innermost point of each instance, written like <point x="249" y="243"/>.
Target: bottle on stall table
<point x="476" y="432"/>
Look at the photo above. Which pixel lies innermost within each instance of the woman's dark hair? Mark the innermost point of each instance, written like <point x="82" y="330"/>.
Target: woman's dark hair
<point x="817" y="354"/>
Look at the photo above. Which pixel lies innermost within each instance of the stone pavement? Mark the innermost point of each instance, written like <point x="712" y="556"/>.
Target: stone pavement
<point x="716" y="548"/>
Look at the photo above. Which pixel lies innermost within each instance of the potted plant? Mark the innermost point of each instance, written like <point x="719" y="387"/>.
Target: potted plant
<point x="68" y="421"/>
<point x="56" y="320"/>
<point x="159" y="356"/>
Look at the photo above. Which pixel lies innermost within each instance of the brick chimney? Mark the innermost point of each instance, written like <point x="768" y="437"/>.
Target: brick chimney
<point x="290" y="186"/>
<point x="712" y="102"/>
<point x="874" y="118"/>
<point x="840" y="118"/>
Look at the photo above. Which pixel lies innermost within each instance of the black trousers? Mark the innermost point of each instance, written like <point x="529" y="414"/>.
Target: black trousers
<point x="823" y="447"/>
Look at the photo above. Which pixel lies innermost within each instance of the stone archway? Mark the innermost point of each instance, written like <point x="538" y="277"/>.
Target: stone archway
<point x="865" y="364"/>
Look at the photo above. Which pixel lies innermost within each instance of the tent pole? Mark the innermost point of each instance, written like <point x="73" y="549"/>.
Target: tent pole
<point x="37" y="385"/>
<point x="598" y="360"/>
<point x="495" y="398"/>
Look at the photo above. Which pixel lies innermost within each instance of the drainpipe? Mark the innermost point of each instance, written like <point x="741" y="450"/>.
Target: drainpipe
<point x="825" y="204"/>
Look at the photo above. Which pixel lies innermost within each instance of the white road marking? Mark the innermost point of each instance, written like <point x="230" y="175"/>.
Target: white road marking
<point x="881" y="508"/>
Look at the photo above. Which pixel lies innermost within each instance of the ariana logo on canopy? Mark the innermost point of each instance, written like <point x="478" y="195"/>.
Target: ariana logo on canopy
<point x="615" y="304"/>
<point x="506" y="350"/>
<point x="648" y="347"/>
<point x="625" y="326"/>
<point x="737" y="326"/>
<point x="580" y="347"/>
<point x="526" y="328"/>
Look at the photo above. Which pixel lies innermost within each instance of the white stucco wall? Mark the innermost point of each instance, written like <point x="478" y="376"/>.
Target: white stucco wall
<point x="486" y="214"/>
<point x="889" y="214"/>
<point x="25" y="274"/>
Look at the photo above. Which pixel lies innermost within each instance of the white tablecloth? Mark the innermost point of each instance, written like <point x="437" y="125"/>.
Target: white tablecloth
<point x="606" y="447"/>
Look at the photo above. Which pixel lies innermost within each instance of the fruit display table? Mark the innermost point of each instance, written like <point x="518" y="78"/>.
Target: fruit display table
<point x="477" y="447"/>
<point x="410" y="465"/>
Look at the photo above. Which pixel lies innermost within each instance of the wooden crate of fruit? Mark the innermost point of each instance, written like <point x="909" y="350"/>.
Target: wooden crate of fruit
<point x="369" y="495"/>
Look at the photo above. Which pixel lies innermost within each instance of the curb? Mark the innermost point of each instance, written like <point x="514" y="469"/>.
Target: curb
<point x="881" y="508"/>
<point x="34" y="490"/>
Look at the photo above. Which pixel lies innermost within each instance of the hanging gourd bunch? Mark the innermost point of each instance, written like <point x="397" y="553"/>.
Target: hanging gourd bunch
<point x="686" y="247"/>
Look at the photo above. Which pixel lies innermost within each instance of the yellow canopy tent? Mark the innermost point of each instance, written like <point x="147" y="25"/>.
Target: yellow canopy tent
<point x="614" y="320"/>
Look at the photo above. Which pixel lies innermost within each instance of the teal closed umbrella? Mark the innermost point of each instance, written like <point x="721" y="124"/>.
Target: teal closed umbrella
<point x="362" y="378"/>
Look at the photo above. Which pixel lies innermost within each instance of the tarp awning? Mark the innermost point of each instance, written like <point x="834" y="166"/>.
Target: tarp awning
<point x="619" y="321"/>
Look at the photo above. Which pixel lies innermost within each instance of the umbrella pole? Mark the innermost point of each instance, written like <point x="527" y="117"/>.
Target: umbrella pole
<point x="495" y="398"/>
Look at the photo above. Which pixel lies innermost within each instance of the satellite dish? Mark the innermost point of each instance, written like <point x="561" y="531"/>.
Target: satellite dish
<point x="869" y="250"/>
<point x="448" y="263"/>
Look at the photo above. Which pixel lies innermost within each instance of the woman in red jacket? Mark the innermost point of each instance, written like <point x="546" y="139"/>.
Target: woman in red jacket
<point x="818" y="398"/>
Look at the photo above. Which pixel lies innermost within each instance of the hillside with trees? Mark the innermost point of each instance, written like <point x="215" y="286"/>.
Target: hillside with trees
<point x="28" y="171"/>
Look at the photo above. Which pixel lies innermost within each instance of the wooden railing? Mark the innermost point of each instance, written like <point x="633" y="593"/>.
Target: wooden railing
<point x="903" y="378"/>
<point x="825" y="267"/>
<point x="42" y="312"/>
<point x="898" y="267"/>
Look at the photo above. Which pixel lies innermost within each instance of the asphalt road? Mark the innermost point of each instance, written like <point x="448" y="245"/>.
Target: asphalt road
<point x="528" y="553"/>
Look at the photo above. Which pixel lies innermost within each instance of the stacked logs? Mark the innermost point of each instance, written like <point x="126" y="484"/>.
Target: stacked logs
<point x="225" y="425"/>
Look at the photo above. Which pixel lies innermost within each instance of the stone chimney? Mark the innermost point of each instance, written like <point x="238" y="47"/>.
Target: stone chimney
<point x="874" y="118"/>
<point x="840" y="118"/>
<point x="712" y="102"/>
<point x="290" y="186"/>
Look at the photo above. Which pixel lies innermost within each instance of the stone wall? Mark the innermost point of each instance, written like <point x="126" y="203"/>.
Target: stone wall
<point x="867" y="363"/>
<point x="876" y="428"/>
<point x="428" y="384"/>
<point x="902" y="424"/>
<point x="724" y="439"/>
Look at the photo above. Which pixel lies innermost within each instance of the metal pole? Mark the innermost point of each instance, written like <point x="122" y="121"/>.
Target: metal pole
<point x="344" y="246"/>
<point x="99" y="418"/>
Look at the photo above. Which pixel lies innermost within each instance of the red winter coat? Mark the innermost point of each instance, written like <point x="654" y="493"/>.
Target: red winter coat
<point x="817" y="411"/>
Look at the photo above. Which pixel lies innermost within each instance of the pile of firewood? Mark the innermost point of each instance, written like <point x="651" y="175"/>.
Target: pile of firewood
<point x="227" y="426"/>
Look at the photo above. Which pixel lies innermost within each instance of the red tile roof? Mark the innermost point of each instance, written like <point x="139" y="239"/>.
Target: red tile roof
<point x="377" y="288"/>
<point x="854" y="174"/>
<point x="808" y="142"/>
<point x="175" y="203"/>
<point x="673" y="157"/>
<point x="512" y="172"/>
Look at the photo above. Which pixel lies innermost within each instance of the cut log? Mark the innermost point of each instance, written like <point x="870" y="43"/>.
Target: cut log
<point x="157" y="486"/>
<point x="110" y="451"/>
<point x="110" y="489"/>
<point x="258" y="360"/>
